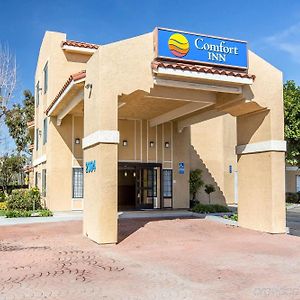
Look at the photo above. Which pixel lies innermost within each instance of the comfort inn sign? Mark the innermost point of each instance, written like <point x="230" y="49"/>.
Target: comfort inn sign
<point x="201" y="48"/>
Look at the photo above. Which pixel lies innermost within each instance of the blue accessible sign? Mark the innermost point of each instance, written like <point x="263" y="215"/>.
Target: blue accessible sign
<point x="199" y="48"/>
<point x="181" y="168"/>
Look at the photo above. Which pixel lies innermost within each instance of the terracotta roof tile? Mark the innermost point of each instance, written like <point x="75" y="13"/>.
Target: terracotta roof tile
<point x="80" y="44"/>
<point x="198" y="68"/>
<point x="73" y="78"/>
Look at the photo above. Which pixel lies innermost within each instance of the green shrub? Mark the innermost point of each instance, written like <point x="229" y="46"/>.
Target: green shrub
<point x="45" y="213"/>
<point x="17" y="213"/>
<point x="28" y="213"/>
<point x="25" y="199"/>
<point x="3" y="196"/>
<point x="210" y="208"/>
<point x="233" y="217"/>
<point x="292" y="197"/>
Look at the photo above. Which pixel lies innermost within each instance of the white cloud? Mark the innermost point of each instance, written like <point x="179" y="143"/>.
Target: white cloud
<point x="287" y="41"/>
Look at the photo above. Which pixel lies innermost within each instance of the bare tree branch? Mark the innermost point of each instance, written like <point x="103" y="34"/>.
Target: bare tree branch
<point x="8" y="75"/>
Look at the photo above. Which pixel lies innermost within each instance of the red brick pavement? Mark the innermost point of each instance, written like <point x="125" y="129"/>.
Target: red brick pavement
<point x="170" y="259"/>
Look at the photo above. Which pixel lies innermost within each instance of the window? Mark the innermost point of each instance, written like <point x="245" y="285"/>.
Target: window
<point x="37" y="139"/>
<point x="167" y="183"/>
<point x="37" y="94"/>
<point x="46" y="78"/>
<point x="298" y="183"/>
<point x="36" y="179"/>
<point x="77" y="183"/>
<point x="44" y="182"/>
<point x="45" y="131"/>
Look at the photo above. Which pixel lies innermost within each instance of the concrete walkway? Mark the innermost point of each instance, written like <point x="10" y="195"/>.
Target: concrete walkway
<point x="57" y="217"/>
<point x="293" y="220"/>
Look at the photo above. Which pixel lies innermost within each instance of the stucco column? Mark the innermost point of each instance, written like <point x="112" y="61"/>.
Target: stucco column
<point x="261" y="173"/>
<point x="100" y="144"/>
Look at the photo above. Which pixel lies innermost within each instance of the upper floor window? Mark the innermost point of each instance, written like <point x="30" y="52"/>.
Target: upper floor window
<point x="45" y="131"/>
<point x="37" y="94"/>
<point x="46" y="78"/>
<point x="36" y="139"/>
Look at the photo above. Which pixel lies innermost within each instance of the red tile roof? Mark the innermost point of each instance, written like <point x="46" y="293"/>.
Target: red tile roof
<point x="80" y="44"/>
<point x="73" y="78"/>
<point x="198" y="68"/>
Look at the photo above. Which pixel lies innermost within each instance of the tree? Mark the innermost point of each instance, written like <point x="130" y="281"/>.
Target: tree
<point x="291" y="95"/>
<point x="10" y="167"/>
<point x="16" y="120"/>
<point x="196" y="182"/>
<point x="209" y="188"/>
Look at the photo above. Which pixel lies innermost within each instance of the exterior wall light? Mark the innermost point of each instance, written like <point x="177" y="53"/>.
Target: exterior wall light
<point x="125" y="143"/>
<point x="125" y="173"/>
<point x="167" y="145"/>
<point x="77" y="141"/>
<point x="151" y="144"/>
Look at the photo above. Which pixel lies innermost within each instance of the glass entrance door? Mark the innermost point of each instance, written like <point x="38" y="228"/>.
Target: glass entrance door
<point x="146" y="187"/>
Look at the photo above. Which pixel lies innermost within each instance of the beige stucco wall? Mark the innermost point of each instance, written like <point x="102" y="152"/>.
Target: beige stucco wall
<point x="291" y="181"/>
<point x="214" y="141"/>
<point x="58" y="149"/>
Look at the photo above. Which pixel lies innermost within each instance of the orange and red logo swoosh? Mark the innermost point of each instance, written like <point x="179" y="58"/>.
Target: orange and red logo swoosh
<point x="178" y="45"/>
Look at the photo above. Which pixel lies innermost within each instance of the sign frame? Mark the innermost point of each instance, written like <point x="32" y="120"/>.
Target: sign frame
<point x="178" y="59"/>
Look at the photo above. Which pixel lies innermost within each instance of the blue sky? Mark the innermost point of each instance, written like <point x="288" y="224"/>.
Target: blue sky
<point x="272" y="28"/>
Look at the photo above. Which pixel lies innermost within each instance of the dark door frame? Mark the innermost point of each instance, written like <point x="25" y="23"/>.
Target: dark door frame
<point x="138" y="165"/>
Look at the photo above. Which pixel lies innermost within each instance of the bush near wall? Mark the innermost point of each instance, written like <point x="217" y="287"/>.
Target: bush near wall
<point x="292" y="197"/>
<point x="24" y="199"/>
<point x="210" y="208"/>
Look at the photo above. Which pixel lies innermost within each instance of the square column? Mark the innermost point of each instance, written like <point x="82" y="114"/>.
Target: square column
<point x="100" y="218"/>
<point x="261" y="169"/>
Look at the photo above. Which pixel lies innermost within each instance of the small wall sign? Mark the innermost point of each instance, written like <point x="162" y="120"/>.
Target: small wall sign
<point x="181" y="168"/>
<point x="90" y="166"/>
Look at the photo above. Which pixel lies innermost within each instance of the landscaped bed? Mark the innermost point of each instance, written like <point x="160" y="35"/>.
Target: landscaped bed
<point x="24" y="203"/>
<point x="210" y="208"/>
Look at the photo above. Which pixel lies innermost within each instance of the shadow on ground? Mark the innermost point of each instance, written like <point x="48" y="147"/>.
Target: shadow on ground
<point x="126" y="227"/>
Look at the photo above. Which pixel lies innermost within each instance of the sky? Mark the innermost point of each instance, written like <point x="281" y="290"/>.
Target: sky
<point x="272" y="28"/>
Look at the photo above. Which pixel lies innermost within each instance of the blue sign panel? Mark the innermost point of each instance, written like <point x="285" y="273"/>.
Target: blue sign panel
<point x="181" y="168"/>
<point x="201" y="48"/>
<point x="90" y="166"/>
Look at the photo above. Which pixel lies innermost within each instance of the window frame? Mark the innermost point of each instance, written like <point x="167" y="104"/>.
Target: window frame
<point x="44" y="182"/>
<point x="46" y="73"/>
<point x="37" y="94"/>
<point x="170" y="191"/>
<point x="36" y="139"/>
<point x="297" y="183"/>
<point x="74" y="193"/>
<point x="45" y="130"/>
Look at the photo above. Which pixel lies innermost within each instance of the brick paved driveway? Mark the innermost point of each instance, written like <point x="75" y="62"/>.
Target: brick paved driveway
<point x="169" y="259"/>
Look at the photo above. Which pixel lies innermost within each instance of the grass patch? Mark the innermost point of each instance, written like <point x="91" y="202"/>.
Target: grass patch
<point x="2" y="213"/>
<point x="28" y="213"/>
<point x="210" y="208"/>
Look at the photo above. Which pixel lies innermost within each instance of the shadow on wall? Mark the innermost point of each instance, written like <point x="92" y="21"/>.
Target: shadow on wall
<point x="247" y="126"/>
<point x="216" y="197"/>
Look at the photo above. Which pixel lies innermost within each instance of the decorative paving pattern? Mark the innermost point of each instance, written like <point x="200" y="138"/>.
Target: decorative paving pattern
<point x="170" y="259"/>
